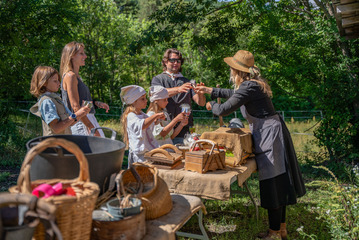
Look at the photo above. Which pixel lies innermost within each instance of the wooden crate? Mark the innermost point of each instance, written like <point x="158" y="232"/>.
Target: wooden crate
<point x="204" y="160"/>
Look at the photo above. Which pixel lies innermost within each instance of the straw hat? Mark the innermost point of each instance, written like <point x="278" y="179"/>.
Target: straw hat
<point x="241" y="61"/>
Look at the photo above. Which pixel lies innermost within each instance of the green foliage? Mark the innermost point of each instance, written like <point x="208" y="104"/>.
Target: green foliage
<point x="296" y="45"/>
<point x="31" y="34"/>
<point x="12" y="141"/>
<point x="342" y="211"/>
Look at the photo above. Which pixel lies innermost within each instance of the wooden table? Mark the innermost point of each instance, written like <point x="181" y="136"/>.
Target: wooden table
<point x="167" y="226"/>
<point x="211" y="185"/>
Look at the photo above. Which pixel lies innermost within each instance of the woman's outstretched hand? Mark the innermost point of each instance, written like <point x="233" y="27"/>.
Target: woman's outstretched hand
<point x="202" y="89"/>
<point x="102" y="105"/>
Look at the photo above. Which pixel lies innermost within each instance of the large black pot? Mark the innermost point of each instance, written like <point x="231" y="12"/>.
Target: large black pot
<point x="104" y="156"/>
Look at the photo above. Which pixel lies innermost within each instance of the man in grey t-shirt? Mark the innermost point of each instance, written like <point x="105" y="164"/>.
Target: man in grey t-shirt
<point x="179" y="88"/>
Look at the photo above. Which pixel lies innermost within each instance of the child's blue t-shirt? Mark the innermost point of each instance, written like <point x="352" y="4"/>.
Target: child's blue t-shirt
<point x="49" y="112"/>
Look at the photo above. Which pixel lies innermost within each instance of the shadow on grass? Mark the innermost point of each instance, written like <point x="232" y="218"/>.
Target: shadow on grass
<point x="236" y="218"/>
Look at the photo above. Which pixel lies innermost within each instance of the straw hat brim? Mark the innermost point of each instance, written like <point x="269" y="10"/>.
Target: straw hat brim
<point x="232" y="63"/>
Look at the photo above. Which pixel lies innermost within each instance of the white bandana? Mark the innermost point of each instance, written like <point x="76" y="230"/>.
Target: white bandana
<point x="130" y="94"/>
<point x="158" y="92"/>
<point x="173" y="76"/>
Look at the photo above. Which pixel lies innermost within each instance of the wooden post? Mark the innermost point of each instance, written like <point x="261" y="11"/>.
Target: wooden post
<point x="220" y="117"/>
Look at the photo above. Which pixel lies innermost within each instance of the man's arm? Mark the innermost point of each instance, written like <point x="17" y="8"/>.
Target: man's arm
<point x="181" y="89"/>
<point x="200" y="99"/>
<point x="172" y="91"/>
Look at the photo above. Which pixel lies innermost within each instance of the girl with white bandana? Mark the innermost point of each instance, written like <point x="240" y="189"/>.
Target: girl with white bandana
<point x="137" y="126"/>
<point x="164" y="130"/>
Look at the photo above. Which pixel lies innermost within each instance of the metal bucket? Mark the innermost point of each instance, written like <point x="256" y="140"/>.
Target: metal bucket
<point x="104" y="156"/>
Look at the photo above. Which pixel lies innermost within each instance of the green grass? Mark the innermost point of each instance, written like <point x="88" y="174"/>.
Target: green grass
<point x="235" y="218"/>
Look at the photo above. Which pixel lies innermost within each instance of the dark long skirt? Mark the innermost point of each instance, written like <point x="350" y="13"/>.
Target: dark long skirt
<point x="284" y="189"/>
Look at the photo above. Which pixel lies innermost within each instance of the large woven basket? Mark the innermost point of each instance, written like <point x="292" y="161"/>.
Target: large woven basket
<point x="129" y="228"/>
<point x="73" y="214"/>
<point x="155" y="196"/>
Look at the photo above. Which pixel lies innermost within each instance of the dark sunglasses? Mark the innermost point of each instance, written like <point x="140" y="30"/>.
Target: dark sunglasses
<point x="173" y="60"/>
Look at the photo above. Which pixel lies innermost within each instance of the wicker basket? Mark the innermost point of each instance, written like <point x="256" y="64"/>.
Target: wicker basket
<point x="73" y="214"/>
<point x="129" y="228"/>
<point x="205" y="160"/>
<point x="37" y="209"/>
<point x="155" y="196"/>
<point x="161" y="158"/>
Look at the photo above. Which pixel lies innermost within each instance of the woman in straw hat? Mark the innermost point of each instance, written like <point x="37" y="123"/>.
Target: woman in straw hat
<point x="280" y="179"/>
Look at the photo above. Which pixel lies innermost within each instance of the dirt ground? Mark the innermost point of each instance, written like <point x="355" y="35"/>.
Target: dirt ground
<point x="9" y="181"/>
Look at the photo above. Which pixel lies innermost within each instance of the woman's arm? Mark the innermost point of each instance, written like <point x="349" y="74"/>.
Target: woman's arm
<point x="221" y="93"/>
<point x="231" y="105"/>
<point x="102" y="105"/>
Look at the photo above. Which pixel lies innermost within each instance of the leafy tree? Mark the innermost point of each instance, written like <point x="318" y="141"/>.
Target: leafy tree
<point x="106" y="34"/>
<point x="296" y="45"/>
<point x="31" y="32"/>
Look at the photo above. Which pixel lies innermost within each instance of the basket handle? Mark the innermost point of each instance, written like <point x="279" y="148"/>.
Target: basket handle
<point x="204" y="141"/>
<point x="161" y="151"/>
<point x="25" y="199"/>
<point x="121" y="187"/>
<point x="155" y="174"/>
<point x="173" y="147"/>
<point x="38" y="209"/>
<point x="24" y="183"/>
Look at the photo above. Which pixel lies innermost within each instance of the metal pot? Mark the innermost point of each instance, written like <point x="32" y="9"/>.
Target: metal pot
<point x="104" y="157"/>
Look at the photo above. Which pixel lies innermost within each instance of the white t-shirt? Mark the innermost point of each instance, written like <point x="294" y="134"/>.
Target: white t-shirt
<point x="140" y="140"/>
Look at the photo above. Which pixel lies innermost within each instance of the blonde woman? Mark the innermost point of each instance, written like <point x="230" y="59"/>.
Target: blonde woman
<point x="74" y="90"/>
<point x="280" y="179"/>
<point x="56" y="117"/>
<point x="137" y="126"/>
<point x="165" y="130"/>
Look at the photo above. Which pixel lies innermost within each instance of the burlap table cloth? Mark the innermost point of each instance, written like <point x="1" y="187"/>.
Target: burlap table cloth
<point x="234" y="139"/>
<point x="210" y="185"/>
<point x="165" y="227"/>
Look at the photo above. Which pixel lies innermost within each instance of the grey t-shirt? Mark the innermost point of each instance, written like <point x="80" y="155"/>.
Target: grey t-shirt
<point x="173" y="107"/>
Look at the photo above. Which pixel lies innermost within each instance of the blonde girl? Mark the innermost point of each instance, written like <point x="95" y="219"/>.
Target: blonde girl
<point x="56" y="117"/>
<point x="166" y="130"/>
<point x="137" y="126"/>
<point x="73" y="89"/>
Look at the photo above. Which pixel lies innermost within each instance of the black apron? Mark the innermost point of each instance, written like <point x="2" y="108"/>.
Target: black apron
<point x="280" y="178"/>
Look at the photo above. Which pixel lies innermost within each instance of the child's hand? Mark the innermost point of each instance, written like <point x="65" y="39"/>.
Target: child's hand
<point x="82" y="112"/>
<point x="184" y="122"/>
<point x="180" y="117"/>
<point x="161" y="116"/>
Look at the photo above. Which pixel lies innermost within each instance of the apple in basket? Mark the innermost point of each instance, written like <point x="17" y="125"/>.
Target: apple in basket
<point x="195" y="149"/>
